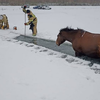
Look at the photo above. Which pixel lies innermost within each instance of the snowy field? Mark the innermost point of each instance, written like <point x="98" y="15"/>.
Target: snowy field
<point x="31" y="72"/>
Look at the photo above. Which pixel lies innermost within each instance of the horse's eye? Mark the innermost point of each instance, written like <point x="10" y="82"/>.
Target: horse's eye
<point x="58" y="35"/>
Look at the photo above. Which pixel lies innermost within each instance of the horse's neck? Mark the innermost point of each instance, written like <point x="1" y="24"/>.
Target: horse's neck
<point x="71" y="36"/>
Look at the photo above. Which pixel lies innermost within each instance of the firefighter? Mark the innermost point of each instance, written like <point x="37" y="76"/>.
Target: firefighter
<point x="4" y="22"/>
<point x="32" y="21"/>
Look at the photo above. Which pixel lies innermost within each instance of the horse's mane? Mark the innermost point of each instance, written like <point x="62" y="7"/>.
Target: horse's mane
<point x="67" y="29"/>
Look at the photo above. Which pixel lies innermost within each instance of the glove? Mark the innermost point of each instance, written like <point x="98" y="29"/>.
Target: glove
<point x="25" y="23"/>
<point x="24" y="7"/>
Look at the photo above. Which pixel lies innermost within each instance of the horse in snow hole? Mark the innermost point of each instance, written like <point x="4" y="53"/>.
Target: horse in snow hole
<point x="83" y="42"/>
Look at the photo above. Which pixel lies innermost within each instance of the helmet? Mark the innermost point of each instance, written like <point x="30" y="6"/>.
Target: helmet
<point x="28" y="11"/>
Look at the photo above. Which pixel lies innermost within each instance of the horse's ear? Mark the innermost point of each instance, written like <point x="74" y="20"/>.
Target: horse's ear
<point x="68" y="27"/>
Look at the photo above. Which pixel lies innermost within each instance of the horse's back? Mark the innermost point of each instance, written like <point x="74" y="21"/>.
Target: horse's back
<point x="90" y="39"/>
<point x="88" y="44"/>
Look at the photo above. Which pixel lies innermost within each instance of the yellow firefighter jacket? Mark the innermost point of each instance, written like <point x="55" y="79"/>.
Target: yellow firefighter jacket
<point x="4" y="21"/>
<point x="31" y="17"/>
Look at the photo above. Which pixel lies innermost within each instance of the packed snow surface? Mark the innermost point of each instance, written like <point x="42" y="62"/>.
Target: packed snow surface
<point x="32" y="72"/>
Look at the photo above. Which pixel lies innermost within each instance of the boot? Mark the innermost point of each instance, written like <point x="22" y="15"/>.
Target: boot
<point x="34" y="34"/>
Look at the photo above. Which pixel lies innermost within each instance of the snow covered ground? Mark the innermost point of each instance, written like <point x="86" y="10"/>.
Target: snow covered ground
<point x="31" y="72"/>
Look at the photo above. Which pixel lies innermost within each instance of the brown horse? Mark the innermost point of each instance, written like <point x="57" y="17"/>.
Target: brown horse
<point x="83" y="42"/>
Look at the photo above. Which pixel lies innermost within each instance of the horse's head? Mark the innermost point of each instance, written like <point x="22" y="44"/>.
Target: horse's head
<point x="60" y="39"/>
<point x="66" y="34"/>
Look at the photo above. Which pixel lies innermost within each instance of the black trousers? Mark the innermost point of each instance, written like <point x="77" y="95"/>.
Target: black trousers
<point x="31" y="26"/>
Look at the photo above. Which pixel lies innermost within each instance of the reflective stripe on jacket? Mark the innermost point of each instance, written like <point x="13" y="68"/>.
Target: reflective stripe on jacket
<point x="4" y="20"/>
<point x="31" y="17"/>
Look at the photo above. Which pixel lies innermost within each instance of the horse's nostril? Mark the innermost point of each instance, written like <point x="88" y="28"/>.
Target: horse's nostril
<point x="56" y="42"/>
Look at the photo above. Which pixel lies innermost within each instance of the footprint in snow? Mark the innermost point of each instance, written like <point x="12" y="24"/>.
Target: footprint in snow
<point x="43" y="50"/>
<point x="63" y="56"/>
<point x="70" y="60"/>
